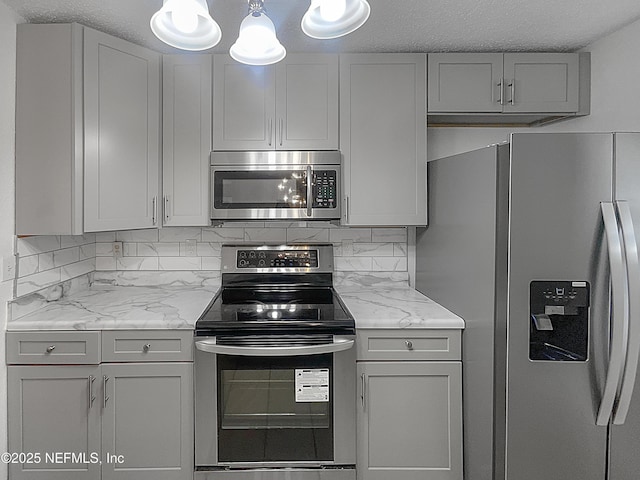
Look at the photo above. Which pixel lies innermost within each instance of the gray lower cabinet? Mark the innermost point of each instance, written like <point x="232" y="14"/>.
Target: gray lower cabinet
<point x="410" y="409"/>
<point x="131" y="419"/>
<point x="147" y="421"/>
<point x="52" y="410"/>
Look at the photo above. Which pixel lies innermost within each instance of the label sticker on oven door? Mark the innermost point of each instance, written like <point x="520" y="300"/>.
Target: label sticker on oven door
<point x="312" y="384"/>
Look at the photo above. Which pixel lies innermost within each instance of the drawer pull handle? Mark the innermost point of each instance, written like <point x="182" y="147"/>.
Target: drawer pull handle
<point x="146" y="347"/>
<point x="409" y="344"/>
<point x="51" y="348"/>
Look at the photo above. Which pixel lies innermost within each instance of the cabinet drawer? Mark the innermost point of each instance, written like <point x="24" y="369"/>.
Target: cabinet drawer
<point x="409" y="344"/>
<point x="147" y="345"/>
<point x="53" y="348"/>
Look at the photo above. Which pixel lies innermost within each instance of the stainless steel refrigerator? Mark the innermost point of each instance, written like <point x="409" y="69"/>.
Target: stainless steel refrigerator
<point x="533" y="243"/>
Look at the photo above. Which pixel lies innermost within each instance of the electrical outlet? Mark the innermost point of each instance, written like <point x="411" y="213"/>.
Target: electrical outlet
<point x="117" y="249"/>
<point x="190" y="251"/>
<point x="8" y="268"/>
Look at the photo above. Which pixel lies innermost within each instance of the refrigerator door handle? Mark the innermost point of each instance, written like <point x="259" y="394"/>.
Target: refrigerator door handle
<point x="633" y="285"/>
<point x="619" y="314"/>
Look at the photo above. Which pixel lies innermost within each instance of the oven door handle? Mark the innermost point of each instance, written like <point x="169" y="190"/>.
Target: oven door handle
<point x="339" y="344"/>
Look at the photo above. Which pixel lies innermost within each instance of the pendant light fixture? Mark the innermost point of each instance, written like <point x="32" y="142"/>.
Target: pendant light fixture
<point x="186" y="24"/>
<point x="328" y="19"/>
<point x="257" y="43"/>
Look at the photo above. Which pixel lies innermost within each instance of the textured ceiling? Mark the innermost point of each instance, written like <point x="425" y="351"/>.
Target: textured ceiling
<point x="394" y="25"/>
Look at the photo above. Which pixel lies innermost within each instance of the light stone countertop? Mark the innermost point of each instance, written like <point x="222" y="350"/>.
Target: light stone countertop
<point x="396" y="308"/>
<point x="109" y="307"/>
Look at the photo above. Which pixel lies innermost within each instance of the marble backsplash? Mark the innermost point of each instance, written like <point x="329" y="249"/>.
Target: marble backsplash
<point x="356" y="249"/>
<point x="45" y="262"/>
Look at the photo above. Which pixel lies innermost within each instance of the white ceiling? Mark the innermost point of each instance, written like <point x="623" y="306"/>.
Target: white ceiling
<point x="394" y="25"/>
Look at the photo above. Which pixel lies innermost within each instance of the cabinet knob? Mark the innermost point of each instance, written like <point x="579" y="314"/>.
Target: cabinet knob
<point x="408" y="344"/>
<point x="51" y="348"/>
<point x="146" y="347"/>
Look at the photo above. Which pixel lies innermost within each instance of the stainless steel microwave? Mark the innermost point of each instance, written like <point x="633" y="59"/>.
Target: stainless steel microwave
<point x="276" y="185"/>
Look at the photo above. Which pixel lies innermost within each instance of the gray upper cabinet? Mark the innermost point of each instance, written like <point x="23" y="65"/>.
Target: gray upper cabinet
<point x="541" y="82"/>
<point x="243" y="105"/>
<point x="383" y="138"/>
<point x="122" y="134"/>
<point x="87" y="131"/>
<point x="186" y="139"/>
<point x="49" y="130"/>
<point x="526" y="88"/>
<point x="465" y="82"/>
<point x="307" y="102"/>
<point x="290" y="106"/>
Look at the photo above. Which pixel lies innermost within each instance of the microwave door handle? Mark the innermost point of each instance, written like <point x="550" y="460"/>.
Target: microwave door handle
<point x="633" y="285"/>
<point x="309" y="191"/>
<point x="339" y="344"/>
<point x="619" y="314"/>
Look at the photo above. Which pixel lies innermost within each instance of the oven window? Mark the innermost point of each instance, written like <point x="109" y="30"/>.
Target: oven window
<point x="260" y="189"/>
<point x="265" y="416"/>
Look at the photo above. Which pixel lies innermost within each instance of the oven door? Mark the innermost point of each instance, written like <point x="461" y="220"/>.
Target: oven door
<point x="275" y="192"/>
<point x="275" y="402"/>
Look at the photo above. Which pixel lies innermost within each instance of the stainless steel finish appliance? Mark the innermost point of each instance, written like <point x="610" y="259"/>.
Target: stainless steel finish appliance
<point x="275" y="185"/>
<point x="533" y="243"/>
<point x="275" y="369"/>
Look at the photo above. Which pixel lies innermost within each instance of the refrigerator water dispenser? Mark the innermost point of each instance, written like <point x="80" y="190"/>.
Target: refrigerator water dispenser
<point x="559" y="321"/>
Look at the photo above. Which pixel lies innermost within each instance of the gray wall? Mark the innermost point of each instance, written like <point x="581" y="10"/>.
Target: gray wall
<point x="7" y="127"/>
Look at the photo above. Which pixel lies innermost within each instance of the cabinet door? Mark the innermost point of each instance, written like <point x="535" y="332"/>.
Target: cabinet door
<point x="186" y="139"/>
<point x="541" y="82"/>
<point x="148" y="421"/>
<point x="410" y="421"/>
<point x="307" y="102"/>
<point x="383" y="138"/>
<point x="52" y="410"/>
<point x="122" y="134"/>
<point x="243" y="105"/>
<point x="465" y="82"/>
<point x="49" y="129"/>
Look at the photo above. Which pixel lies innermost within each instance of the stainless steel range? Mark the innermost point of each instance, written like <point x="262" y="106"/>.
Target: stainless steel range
<point x="275" y="369"/>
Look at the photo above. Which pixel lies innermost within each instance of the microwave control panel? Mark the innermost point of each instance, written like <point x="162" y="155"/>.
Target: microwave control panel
<point x="324" y="189"/>
<point x="277" y="258"/>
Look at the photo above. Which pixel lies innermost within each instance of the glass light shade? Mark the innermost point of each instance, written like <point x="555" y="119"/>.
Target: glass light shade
<point x="186" y="24"/>
<point x="323" y="20"/>
<point x="257" y="43"/>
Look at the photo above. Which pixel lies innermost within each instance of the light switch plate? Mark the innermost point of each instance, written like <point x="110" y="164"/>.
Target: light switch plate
<point x="190" y="251"/>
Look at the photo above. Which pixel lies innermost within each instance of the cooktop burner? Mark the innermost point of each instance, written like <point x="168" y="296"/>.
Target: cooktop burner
<point x="290" y="293"/>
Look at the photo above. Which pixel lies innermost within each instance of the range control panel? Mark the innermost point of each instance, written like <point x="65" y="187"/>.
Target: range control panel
<point x="324" y="189"/>
<point x="277" y="259"/>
